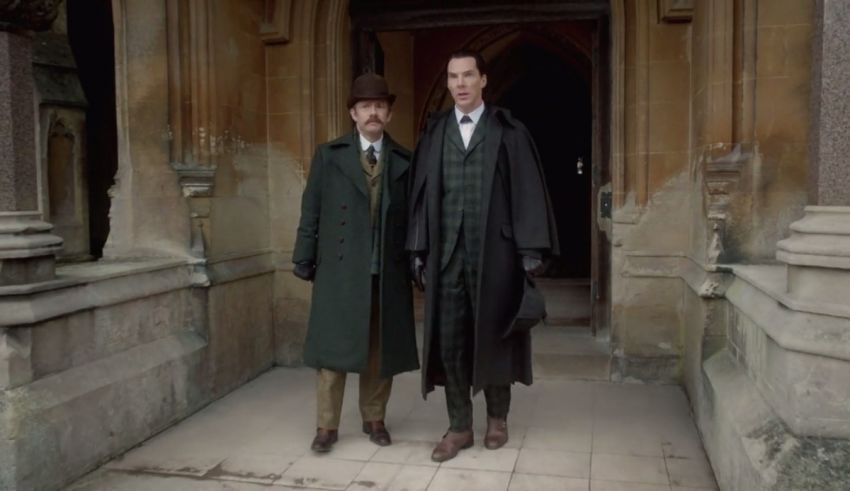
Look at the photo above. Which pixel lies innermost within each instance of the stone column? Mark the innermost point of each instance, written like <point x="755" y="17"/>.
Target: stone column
<point x="818" y="251"/>
<point x="27" y="249"/>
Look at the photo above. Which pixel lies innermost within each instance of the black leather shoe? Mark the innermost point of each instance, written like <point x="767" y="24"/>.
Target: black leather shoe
<point x="324" y="440"/>
<point x="377" y="432"/>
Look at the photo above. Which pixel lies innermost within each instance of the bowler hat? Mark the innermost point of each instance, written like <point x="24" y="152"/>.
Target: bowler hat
<point x="369" y="86"/>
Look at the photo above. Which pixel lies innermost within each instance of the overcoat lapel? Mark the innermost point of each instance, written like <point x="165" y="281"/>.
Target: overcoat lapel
<point x="452" y="132"/>
<point x="394" y="168"/>
<point x="349" y="164"/>
<point x="431" y="156"/>
<point x="488" y="171"/>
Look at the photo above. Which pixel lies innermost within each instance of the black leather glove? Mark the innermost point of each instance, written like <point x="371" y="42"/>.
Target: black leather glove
<point x="532" y="265"/>
<point x="304" y="270"/>
<point x="417" y="270"/>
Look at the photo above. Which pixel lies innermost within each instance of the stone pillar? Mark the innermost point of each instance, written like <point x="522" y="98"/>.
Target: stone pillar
<point x="27" y="249"/>
<point x="818" y="251"/>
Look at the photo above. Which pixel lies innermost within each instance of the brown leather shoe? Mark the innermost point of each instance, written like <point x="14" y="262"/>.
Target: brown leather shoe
<point x="497" y="433"/>
<point x="377" y="432"/>
<point x="324" y="440"/>
<point x="452" y="443"/>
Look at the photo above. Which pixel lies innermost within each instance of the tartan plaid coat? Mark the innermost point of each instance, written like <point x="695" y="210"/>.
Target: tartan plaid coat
<point x="516" y="216"/>
<point x="335" y="233"/>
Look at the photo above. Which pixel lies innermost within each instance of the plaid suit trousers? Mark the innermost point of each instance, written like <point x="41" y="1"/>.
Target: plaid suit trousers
<point x="456" y="324"/>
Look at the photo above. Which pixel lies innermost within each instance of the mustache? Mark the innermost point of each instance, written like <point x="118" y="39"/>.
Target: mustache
<point x="374" y="119"/>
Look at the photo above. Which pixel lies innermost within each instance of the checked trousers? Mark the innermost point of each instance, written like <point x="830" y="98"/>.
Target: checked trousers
<point x="456" y="324"/>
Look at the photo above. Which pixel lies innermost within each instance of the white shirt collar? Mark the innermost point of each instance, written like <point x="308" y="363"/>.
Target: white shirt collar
<point x="364" y="143"/>
<point x="475" y="115"/>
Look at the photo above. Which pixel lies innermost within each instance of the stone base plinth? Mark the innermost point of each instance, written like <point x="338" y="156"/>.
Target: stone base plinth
<point x="27" y="249"/>
<point x="818" y="255"/>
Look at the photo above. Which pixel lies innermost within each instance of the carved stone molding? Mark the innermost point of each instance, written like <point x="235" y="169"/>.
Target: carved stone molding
<point x="721" y="176"/>
<point x="277" y="22"/>
<point x="193" y="130"/>
<point x="675" y="10"/>
<point x="32" y="15"/>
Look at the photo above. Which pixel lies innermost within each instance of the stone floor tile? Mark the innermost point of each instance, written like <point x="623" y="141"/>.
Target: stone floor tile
<point x="688" y="488"/>
<point x="626" y="438"/>
<point x="469" y="480"/>
<point x="686" y="444"/>
<point x="627" y="468"/>
<point x="354" y="446"/>
<point x="532" y="482"/>
<point x="321" y="472"/>
<point x="121" y="481"/>
<point x="690" y="472"/>
<point x="263" y="469"/>
<point x="568" y="437"/>
<point x="412" y="453"/>
<point x="480" y="458"/>
<point x="377" y="476"/>
<point x="412" y="430"/>
<point x="597" y="485"/>
<point x="150" y="460"/>
<point x="553" y="463"/>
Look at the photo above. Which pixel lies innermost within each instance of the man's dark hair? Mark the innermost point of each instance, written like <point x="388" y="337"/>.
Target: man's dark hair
<point x="480" y="64"/>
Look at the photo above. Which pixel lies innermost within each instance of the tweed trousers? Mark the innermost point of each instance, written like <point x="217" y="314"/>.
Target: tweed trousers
<point x="374" y="390"/>
<point x="456" y="324"/>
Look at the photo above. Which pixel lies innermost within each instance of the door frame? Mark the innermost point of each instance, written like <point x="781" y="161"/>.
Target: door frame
<point x="371" y="16"/>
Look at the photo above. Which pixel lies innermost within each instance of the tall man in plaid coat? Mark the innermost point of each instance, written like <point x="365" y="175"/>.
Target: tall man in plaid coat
<point x="480" y="221"/>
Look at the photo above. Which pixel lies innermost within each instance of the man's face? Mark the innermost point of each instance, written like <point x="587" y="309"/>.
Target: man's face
<point x="465" y="83"/>
<point x="370" y="117"/>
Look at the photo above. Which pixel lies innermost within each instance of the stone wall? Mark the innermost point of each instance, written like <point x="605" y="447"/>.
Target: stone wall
<point x="308" y="77"/>
<point x="653" y="188"/>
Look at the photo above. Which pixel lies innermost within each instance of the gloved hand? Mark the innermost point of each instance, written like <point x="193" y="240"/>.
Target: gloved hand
<point x="532" y="265"/>
<point x="304" y="270"/>
<point x="417" y="270"/>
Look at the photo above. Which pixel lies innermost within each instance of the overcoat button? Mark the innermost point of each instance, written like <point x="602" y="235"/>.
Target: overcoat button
<point x="341" y="240"/>
<point x="340" y="257"/>
<point x="344" y="207"/>
<point x="342" y="222"/>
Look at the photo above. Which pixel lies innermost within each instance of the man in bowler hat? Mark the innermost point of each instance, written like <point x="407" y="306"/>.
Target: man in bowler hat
<point x="350" y="244"/>
<point x="480" y="223"/>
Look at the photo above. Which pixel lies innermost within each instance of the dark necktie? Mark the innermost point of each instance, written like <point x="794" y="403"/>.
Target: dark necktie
<point x="370" y="156"/>
<point x="466" y="128"/>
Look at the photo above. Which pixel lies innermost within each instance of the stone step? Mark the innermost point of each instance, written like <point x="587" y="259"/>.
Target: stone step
<point x="569" y="353"/>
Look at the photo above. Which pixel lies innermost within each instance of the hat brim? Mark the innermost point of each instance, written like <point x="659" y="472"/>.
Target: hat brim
<point x="390" y="98"/>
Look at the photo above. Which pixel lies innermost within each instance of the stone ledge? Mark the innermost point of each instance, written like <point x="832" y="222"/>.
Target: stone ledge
<point x="755" y="293"/>
<point x="239" y="267"/>
<point x="94" y="285"/>
<point x="60" y="427"/>
<point x="84" y="286"/>
<point x="773" y="281"/>
<point x="751" y="448"/>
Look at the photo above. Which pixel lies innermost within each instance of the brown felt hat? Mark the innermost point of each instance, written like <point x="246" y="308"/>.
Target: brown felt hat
<point x="369" y="86"/>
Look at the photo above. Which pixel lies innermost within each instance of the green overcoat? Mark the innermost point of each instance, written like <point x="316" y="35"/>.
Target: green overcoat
<point x="335" y="234"/>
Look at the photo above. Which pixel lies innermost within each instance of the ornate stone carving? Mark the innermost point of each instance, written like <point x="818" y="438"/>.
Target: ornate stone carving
<point x="33" y="15"/>
<point x="675" y="10"/>
<point x="192" y="128"/>
<point x="721" y="178"/>
<point x="277" y="22"/>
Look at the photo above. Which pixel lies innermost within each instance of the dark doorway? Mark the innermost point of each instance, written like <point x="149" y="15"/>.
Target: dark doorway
<point x="553" y="101"/>
<point x="91" y="34"/>
<point x="548" y="64"/>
